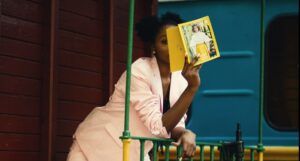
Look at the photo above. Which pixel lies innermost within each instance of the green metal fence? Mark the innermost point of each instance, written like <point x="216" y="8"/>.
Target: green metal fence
<point x="167" y="145"/>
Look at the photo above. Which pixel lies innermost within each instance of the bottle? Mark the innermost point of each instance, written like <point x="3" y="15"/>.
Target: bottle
<point x="239" y="151"/>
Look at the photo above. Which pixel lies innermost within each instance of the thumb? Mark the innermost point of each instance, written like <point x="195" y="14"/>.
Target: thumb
<point x="177" y="143"/>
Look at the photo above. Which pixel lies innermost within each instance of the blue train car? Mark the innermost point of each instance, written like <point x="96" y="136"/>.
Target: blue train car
<point x="231" y="86"/>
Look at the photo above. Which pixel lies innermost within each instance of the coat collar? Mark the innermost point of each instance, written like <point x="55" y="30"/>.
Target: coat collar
<point x="156" y="84"/>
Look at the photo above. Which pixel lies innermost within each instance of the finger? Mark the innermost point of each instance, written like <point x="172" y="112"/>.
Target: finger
<point x="194" y="150"/>
<point x="185" y="149"/>
<point x="187" y="152"/>
<point x="200" y="66"/>
<point x="195" y="59"/>
<point x="190" y="151"/>
<point x="190" y="66"/>
<point x="197" y="67"/>
<point x="185" y="64"/>
<point x="193" y="62"/>
<point x="193" y="154"/>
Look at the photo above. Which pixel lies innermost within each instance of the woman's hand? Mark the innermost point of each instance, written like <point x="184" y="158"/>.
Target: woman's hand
<point x="188" y="142"/>
<point x="191" y="74"/>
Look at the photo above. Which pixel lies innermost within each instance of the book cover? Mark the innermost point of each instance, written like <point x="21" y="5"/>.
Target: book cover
<point x="193" y="38"/>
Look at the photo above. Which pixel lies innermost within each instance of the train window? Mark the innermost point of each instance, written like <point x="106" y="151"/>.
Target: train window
<point x="281" y="73"/>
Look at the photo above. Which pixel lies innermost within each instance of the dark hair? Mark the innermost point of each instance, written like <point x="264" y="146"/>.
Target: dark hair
<point x="148" y="27"/>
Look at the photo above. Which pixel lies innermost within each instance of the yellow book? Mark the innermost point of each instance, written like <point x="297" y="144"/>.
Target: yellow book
<point x="193" y="38"/>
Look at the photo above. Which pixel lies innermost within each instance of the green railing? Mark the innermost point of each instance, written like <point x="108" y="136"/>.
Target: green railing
<point x="168" y="148"/>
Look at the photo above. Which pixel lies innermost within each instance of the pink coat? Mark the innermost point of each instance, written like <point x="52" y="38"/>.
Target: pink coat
<point x="97" y="136"/>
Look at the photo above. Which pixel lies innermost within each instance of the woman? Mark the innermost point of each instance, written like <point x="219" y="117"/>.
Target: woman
<point x="200" y="43"/>
<point x="154" y="89"/>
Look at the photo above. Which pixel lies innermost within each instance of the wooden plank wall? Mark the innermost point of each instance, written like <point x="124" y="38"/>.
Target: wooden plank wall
<point x="82" y="48"/>
<point x="21" y="51"/>
<point x="142" y="8"/>
<point x="81" y="69"/>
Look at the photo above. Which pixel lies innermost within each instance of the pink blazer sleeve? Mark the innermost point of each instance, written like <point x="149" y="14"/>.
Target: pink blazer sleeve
<point x="147" y="105"/>
<point x="142" y="99"/>
<point x="179" y="85"/>
<point x="145" y="101"/>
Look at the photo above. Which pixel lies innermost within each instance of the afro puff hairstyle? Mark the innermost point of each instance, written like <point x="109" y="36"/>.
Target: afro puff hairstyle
<point x="148" y="27"/>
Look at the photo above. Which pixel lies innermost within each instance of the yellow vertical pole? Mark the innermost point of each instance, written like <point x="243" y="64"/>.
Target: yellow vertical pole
<point x="260" y="156"/>
<point x="126" y="149"/>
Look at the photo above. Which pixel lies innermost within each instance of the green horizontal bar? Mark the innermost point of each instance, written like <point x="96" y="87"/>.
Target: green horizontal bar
<point x="150" y="139"/>
<point x="251" y="147"/>
<point x="208" y="144"/>
<point x="171" y="140"/>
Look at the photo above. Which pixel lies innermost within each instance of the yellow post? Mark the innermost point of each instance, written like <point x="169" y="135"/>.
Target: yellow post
<point x="126" y="149"/>
<point x="260" y="156"/>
